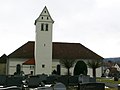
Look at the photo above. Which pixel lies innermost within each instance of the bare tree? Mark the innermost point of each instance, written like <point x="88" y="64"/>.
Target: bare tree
<point x="67" y="63"/>
<point x="94" y="64"/>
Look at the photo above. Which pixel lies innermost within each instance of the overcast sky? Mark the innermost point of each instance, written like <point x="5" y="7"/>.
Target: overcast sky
<point x="93" y="23"/>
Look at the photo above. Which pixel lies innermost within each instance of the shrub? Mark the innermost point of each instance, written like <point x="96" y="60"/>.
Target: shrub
<point x="80" y="68"/>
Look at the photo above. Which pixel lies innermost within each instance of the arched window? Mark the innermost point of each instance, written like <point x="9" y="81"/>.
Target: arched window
<point x="46" y="27"/>
<point x="42" y="27"/>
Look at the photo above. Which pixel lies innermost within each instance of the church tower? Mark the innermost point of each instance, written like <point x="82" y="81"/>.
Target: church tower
<point x="43" y="43"/>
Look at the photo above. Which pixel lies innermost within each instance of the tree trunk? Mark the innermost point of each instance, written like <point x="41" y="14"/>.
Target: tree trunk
<point x="94" y="72"/>
<point x="68" y="71"/>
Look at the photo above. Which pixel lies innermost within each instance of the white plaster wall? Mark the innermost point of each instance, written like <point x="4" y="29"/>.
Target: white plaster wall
<point x="12" y="64"/>
<point x="43" y="49"/>
<point x="43" y="44"/>
<point x="64" y="70"/>
<point x="27" y="69"/>
<point x="98" y="72"/>
<point x="54" y="64"/>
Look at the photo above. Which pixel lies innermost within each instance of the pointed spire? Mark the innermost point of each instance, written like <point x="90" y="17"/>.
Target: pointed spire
<point x="44" y="16"/>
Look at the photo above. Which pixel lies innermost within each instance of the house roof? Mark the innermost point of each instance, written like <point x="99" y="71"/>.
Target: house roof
<point x="44" y="14"/>
<point x="25" y="51"/>
<point x="29" y="62"/>
<point x="60" y="50"/>
<point x="112" y="69"/>
<point x="3" y="58"/>
<point x="73" y="50"/>
<point x="117" y="64"/>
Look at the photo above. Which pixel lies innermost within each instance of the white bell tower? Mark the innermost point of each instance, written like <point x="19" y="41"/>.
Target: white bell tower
<point x="43" y="43"/>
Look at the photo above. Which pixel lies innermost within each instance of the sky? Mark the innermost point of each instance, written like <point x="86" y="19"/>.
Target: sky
<point x="93" y="23"/>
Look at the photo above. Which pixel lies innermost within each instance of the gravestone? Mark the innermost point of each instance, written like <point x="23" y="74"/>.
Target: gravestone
<point x="85" y="79"/>
<point x="33" y="82"/>
<point x="63" y="79"/>
<point x="118" y="86"/>
<point x="73" y="80"/>
<point x="59" y="86"/>
<point x="51" y="79"/>
<point x="42" y="77"/>
<point x="92" y="79"/>
<point x="14" y="81"/>
<point x="80" y="78"/>
<point x="44" y="88"/>
<point x="91" y="86"/>
<point x="11" y="88"/>
<point x="3" y="79"/>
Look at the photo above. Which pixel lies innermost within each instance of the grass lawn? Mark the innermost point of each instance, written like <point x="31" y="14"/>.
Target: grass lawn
<point x="74" y="88"/>
<point x="109" y="80"/>
<point x="111" y="89"/>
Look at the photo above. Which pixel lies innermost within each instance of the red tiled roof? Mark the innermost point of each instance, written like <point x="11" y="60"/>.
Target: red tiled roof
<point x="29" y="62"/>
<point x="60" y="50"/>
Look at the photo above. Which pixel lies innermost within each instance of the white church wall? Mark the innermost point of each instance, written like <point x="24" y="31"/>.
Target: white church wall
<point x="12" y="64"/>
<point x="64" y="70"/>
<point x="28" y="68"/>
<point x="55" y="62"/>
<point x="98" y="72"/>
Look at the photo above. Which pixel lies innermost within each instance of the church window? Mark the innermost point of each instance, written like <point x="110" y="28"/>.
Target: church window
<point x="31" y="72"/>
<point x="44" y="45"/>
<point x="45" y="11"/>
<point x="47" y="18"/>
<point x="42" y="17"/>
<point x="31" y="67"/>
<point x="46" y="27"/>
<point x="43" y="66"/>
<point x="42" y="27"/>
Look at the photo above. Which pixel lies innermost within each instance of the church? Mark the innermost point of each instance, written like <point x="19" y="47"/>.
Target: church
<point x="43" y="56"/>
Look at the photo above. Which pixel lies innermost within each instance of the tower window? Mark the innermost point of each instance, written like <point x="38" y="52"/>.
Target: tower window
<point x="43" y="66"/>
<point x="47" y="18"/>
<point x="45" y="11"/>
<point x="44" y="45"/>
<point x="46" y="27"/>
<point x="31" y="67"/>
<point x="42" y="17"/>
<point x="31" y="72"/>
<point x="42" y="27"/>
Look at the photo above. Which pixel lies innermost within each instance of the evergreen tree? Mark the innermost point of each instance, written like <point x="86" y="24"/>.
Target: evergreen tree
<point x="80" y="68"/>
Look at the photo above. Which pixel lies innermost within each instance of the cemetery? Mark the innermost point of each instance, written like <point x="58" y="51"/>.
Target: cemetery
<point x="79" y="81"/>
<point x="56" y="82"/>
<point x="51" y="82"/>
